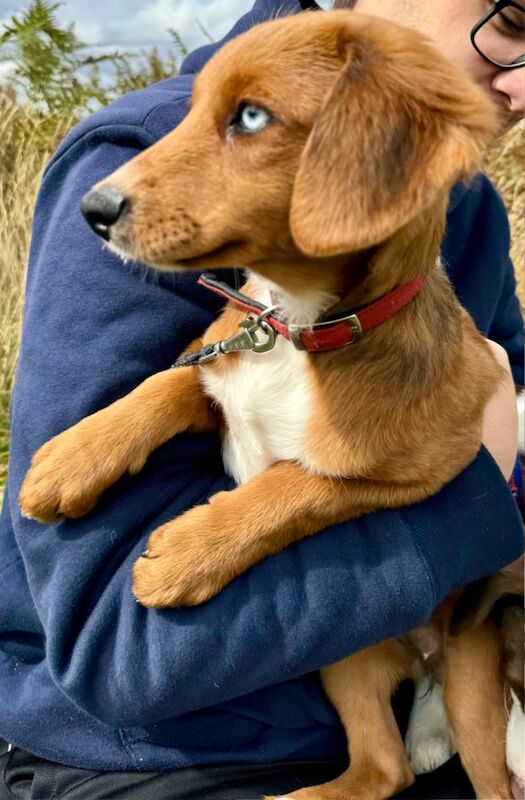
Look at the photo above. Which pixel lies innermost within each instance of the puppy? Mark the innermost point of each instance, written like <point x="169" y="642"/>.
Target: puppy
<point x="333" y="193"/>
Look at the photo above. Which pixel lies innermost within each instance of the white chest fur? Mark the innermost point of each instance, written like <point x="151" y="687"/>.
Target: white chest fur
<point x="515" y="747"/>
<point x="266" y="397"/>
<point x="265" y="400"/>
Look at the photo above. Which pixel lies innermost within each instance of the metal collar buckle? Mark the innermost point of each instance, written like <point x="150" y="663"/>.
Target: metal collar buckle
<point x="357" y="328"/>
<point x="351" y="319"/>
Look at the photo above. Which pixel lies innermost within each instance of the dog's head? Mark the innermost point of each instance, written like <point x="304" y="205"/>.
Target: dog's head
<point x="311" y="136"/>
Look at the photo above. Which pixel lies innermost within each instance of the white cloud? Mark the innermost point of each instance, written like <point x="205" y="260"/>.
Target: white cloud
<point x="136" y="24"/>
<point x="133" y="25"/>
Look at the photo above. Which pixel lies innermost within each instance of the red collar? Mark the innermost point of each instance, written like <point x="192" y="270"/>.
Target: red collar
<point x="332" y="333"/>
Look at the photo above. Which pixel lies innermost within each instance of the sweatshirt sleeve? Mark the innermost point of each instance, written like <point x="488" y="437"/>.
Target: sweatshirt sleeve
<point x="476" y="252"/>
<point x="506" y="326"/>
<point x="94" y="328"/>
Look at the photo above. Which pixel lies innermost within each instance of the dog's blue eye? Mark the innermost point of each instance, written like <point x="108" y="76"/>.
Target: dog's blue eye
<point x="251" y="119"/>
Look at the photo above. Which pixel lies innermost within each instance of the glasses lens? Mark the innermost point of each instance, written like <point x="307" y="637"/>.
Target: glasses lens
<point x="502" y="37"/>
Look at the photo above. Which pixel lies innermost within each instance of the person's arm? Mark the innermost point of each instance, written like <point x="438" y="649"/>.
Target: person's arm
<point x="93" y="329"/>
<point x="500" y="428"/>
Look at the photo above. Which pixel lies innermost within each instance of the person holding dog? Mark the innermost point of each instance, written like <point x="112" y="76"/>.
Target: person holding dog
<point x="100" y="697"/>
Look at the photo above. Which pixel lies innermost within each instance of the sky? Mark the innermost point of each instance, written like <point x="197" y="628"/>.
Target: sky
<point x="136" y="24"/>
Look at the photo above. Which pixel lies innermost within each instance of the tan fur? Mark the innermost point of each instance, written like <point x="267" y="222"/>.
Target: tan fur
<point x="473" y="692"/>
<point x="360" y="688"/>
<point x="113" y="442"/>
<point x="345" y="193"/>
<point x="379" y="764"/>
<point x="479" y="602"/>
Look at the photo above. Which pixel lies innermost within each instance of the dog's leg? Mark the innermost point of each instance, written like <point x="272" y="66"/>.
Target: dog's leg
<point x="70" y="472"/>
<point x="474" y="699"/>
<point x="193" y="557"/>
<point x="360" y="688"/>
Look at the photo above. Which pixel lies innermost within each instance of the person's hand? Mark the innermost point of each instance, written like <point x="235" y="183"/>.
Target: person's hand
<point x="500" y="422"/>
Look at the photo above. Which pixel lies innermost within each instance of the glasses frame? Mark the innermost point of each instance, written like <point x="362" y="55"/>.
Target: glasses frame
<point x="498" y="6"/>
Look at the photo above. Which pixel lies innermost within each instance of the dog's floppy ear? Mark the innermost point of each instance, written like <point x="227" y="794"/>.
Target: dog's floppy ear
<point x="399" y="126"/>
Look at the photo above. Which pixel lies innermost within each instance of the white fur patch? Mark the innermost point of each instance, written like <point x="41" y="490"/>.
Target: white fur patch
<point x="515" y="747"/>
<point x="265" y="398"/>
<point x="266" y="403"/>
<point x="303" y="310"/>
<point x="429" y="739"/>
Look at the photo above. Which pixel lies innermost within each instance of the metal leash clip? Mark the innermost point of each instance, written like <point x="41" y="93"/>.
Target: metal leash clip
<point x="246" y="339"/>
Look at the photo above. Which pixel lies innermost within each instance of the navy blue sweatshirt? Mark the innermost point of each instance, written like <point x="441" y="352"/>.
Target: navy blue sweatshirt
<point x="87" y="676"/>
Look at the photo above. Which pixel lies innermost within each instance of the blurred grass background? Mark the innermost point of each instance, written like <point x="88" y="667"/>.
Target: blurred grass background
<point x="506" y="166"/>
<point x="54" y="83"/>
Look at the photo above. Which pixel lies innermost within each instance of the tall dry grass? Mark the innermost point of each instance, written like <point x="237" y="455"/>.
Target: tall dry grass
<point x="506" y="167"/>
<point x="26" y="142"/>
<point x="27" y="139"/>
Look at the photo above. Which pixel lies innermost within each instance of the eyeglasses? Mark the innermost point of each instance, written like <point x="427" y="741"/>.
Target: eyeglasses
<point x="499" y="36"/>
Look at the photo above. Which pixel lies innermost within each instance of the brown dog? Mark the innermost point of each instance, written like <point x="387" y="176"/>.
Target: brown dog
<point x="333" y="193"/>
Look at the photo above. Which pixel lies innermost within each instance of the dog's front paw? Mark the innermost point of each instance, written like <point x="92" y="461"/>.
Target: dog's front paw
<point x="61" y="480"/>
<point x="184" y="564"/>
<point x="70" y="472"/>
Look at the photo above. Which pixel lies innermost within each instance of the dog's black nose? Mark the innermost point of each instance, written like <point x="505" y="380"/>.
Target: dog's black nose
<point x="102" y="208"/>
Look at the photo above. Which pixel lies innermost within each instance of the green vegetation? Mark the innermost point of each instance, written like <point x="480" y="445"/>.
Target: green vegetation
<point x="57" y="73"/>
